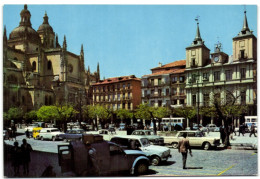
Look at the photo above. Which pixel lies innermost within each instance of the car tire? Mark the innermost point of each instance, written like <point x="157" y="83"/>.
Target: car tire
<point x="175" y="145"/>
<point x="41" y="138"/>
<point x="206" y="146"/>
<point x="53" y="138"/>
<point x="141" y="168"/>
<point x="155" y="160"/>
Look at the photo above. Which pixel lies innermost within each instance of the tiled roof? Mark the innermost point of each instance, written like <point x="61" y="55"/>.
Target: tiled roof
<point x="172" y="71"/>
<point x="117" y="79"/>
<point x="173" y="64"/>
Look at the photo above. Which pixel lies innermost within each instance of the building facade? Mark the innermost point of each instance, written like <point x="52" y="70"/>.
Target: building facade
<point x="165" y="86"/>
<point x="38" y="71"/>
<point x="220" y="74"/>
<point x="118" y="93"/>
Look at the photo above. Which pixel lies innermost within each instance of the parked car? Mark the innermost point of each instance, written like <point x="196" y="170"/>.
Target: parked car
<point x="156" y="154"/>
<point x="196" y="126"/>
<point x="122" y="126"/>
<point x="211" y="128"/>
<point x="196" y="138"/>
<point x="73" y="134"/>
<point x="106" y="133"/>
<point x="50" y="133"/>
<point x="110" y="158"/>
<point x="154" y="139"/>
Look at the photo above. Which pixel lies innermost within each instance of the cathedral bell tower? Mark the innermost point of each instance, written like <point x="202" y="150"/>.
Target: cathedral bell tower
<point x="197" y="54"/>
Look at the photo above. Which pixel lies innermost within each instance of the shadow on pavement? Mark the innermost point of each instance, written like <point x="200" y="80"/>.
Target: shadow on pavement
<point x="194" y="167"/>
<point x="167" y="163"/>
<point x="151" y="172"/>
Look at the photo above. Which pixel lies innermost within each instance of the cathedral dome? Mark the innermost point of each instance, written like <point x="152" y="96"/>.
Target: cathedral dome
<point x="45" y="26"/>
<point x="25" y="30"/>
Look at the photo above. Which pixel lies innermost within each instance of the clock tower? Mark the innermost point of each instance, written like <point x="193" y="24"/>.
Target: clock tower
<point x="218" y="56"/>
<point x="197" y="54"/>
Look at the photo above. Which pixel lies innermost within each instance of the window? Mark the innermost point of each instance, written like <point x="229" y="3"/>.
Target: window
<point x="152" y="103"/>
<point x="181" y="79"/>
<point x="128" y="95"/>
<point x="193" y="62"/>
<point x="194" y="100"/>
<point x="159" y="81"/>
<point x="159" y="103"/>
<point x="243" y="73"/>
<point x="123" y="106"/>
<point x="129" y="105"/>
<point x="49" y="65"/>
<point x="118" y="106"/>
<point x="205" y="76"/>
<point x="167" y="92"/>
<point x="243" y="97"/>
<point x="159" y="92"/>
<point x="123" y="86"/>
<point x="175" y="79"/>
<point x="128" y="85"/>
<point x="152" y="82"/>
<point x="118" y="97"/>
<point x="174" y="91"/>
<point x="181" y="91"/>
<point x="34" y="66"/>
<point x="118" y="87"/>
<point x="152" y="92"/>
<point x="206" y="99"/>
<point x="216" y="75"/>
<point x="242" y="54"/>
<point x="181" y="101"/>
<point x="228" y="75"/>
<point x="70" y="68"/>
<point x="104" y="88"/>
<point x="193" y="78"/>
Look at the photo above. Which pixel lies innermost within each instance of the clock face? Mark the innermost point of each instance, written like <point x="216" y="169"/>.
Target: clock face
<point x="216" y="59"/>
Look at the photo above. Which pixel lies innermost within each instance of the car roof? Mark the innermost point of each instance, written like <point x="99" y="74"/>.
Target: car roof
<point x="129" y="137"/>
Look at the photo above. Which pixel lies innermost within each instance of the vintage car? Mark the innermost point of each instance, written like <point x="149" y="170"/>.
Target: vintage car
<point x="156" y="154"/>
<point x="154" y="139"/>
<point x="110" y="158"/>
<point x="210" y="128"/>
<point x="196" y="138"/>
<point x="50" y="133"/>
<point x="106" y="133"/>
<point x="36" y="132"/>
<point x="73" y="134"/>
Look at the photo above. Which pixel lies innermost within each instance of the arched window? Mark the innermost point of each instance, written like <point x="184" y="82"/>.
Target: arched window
<point x="34" y="66"/>
<point x="49" y="66"/>
<point x="46" y="100"/>
<point x="50" y="100"/>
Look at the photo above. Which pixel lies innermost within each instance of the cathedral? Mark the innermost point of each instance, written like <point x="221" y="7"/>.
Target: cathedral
<point x="38" y="71"/>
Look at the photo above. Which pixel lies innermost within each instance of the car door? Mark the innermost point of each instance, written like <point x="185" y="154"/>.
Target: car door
<point x="193" y="140"/>
<point x="118" y="158"/>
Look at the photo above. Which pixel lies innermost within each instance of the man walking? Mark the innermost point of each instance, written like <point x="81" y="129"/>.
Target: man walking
<point x="252" y="130"/>
<point x="184" y="146"/>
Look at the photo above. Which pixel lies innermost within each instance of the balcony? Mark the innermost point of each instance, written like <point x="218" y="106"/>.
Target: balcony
<point x="193" y="65"/>
<point x="242" y="57"/>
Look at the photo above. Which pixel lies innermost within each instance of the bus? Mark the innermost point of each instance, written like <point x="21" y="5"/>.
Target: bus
<point x="174" y="121"/>
<point x="249" y="120"/>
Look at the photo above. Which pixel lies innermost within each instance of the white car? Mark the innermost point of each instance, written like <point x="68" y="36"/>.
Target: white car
<point x="155" y="153"/>
<point x="50" y="133"/>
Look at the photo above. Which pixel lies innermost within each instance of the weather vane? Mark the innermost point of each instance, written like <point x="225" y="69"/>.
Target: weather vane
<point x="244" y="8"/>
<point x="197" y="18"/>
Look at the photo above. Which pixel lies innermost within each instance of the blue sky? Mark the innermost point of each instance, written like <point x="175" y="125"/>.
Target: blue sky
<point x="132" y="39"/>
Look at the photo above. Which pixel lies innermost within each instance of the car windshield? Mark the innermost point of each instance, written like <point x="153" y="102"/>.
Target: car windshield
<point x="55" y="130"/>
<point x="145" y="141"/>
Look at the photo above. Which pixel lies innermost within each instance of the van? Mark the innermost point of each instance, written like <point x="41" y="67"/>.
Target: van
<point x="50" y="133"/>
<point x="36" y="132"/>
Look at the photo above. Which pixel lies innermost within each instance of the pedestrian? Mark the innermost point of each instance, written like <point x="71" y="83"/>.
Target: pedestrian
<point x="252" y="130"/>
<point x="241" y="129"/>
<point x="27" y="133"/>
<point x="92" y="166"/>
<point x="184" y="146"/>
<point x="26" y="156"/>
<point x="16" y="158"/>
<point x="233" y="129"/>
<point x="13" y="131"/>
<point x="222" y="134"/>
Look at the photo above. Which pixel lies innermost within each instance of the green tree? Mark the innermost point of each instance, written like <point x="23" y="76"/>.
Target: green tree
<point x="15" y="114"/>
<point x="30" y="116"/>
<point x="64" y="113"/>
<point x="161" y="112"/>
<point x="47" y="113"/>
<point x="124" y="114"/>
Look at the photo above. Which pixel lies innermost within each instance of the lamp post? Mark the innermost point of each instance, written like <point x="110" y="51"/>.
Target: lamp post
<point x="198" y="99"/>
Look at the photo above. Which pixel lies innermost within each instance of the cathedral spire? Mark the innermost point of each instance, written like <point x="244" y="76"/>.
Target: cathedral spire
<point x="82" y="51"/>
<point x="45" y="18"/>
<point x="198" y="40"/>
<point x="245" y="24"/>
<point x="25" y="17"/>
<point x="5" y="37"/>
<point x="64" y="43"/>
<point x="98" y="73"/>
<point x="57" y="41"/>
